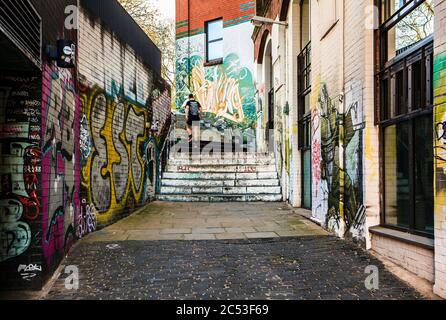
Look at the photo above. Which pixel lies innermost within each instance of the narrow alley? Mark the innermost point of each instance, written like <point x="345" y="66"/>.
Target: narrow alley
<point x="224" y="149"/>
<point x="265" y="251"/>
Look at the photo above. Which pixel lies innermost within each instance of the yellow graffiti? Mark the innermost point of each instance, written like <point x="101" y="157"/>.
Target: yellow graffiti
<point x="220" y="96"/>
<point x="114" y="170"/>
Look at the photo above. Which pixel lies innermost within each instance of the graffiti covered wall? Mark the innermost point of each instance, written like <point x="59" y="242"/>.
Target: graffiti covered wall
<point x="440" y="171"/>
<point x="121" y="99"/>
<point x="20" y="175"/>
<point x="79" y="146"/>
<point x="60" y="162"/>
<point x="226" y="91"/>
<point x="337" y="133"/>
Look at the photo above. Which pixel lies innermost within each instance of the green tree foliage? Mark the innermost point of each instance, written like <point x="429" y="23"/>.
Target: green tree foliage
<point x="160" y="30"/>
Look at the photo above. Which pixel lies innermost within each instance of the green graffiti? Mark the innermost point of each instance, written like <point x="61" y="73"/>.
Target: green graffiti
<point x="344" y="180"/>
<point x="226" y="91"/>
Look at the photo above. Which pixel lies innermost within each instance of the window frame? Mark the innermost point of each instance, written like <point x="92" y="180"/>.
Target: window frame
<point x="384" y="71"/>
<point x="412" y="214"/>
<point x="218" y="60"/>
<point x="304" y="119"/>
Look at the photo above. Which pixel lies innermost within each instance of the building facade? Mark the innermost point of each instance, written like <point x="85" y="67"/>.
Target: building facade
<point x="77" y="149"/>
<point x="354" y="92"/>
<point x="215" y="61"/>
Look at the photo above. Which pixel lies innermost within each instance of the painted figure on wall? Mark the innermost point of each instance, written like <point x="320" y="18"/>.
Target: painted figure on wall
<point x="338" y="177"/>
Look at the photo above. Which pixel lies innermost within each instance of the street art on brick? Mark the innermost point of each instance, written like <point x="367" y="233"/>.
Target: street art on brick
<point x="78" y="153"/>
<point x="337" y="163"/>
<point x="227" y="90"/>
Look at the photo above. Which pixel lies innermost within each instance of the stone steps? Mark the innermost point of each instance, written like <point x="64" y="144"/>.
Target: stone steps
<point x="220" y="183"/>
<point x="223" y="156"/>
<point x="221" y="168"/>
<point x="221" y="190"/>
<point x="219" y="175"/>
<point x="220" y="198"/>
<point x="236" y="177"/>
<point x="221" y="162"/>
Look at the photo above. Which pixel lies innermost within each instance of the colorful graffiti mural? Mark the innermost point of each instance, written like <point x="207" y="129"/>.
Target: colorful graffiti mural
<point x="118" y="155"/>
<point x="225" y="91"/>
<point x="440" y="131"/>
<point x="60" y="161"/>
<point x="20" y="164"/>
<point x="337" y="163"/>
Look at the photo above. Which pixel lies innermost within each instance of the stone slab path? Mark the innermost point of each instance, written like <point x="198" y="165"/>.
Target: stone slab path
<point x="209" y="221"/>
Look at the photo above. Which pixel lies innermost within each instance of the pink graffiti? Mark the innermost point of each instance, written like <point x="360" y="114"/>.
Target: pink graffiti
<point x="316" y="164"/>
<point x="61" y="179"/>
<point x="316" y="152"/>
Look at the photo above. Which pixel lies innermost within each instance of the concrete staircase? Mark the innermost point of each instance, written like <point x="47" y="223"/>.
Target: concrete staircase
<point x="237" y="177"/>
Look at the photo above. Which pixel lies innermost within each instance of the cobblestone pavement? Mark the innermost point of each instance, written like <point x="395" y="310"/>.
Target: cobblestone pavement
<point x="235" y="251"/>
<point x="310" y="267"/>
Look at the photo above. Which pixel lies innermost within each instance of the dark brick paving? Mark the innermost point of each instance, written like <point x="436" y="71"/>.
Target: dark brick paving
<point x="283" y="268"/>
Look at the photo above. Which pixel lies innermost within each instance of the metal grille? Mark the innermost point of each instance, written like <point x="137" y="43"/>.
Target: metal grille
<point x="304" y="90"/>
<point x="21" y="23"/>
<point x="304" y="65"/>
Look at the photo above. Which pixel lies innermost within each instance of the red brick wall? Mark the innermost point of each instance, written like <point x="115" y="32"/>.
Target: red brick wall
<point x="201" y="11"/>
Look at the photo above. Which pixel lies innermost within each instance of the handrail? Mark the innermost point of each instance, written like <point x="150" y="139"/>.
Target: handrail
<point x="171" y="126"/>
<point x="164" y="153"/>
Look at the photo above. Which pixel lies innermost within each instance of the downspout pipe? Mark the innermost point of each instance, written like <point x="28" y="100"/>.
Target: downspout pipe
<point x="341" y="120"/>
<point x="188" y="47"/>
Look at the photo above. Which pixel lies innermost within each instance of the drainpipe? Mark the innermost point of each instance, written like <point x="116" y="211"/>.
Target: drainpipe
<point x="188" y="45"/>
<point x="342" y="127"/>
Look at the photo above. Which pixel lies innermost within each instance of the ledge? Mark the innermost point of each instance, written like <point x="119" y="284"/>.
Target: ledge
<point x="405" y="237"/>
<point x="213" y="63"/>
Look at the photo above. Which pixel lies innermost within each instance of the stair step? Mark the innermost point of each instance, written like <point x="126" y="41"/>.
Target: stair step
<point x="222" y="162"/>
<point x="220" y="175"/>
<point x="219" y="198"/>
<point x="220" y="168"/>
<point x="220" y="183"/>
<point x="223" y="155"/>
<point x="221" y="190"/>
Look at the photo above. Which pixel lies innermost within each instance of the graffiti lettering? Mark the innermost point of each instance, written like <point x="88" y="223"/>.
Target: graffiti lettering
<point x="28" y="272"/>
<point x="116" y="174"/>
<point x="20" y="165"/>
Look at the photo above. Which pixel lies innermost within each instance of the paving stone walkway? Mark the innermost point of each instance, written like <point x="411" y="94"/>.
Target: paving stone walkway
<point x="274" y="254"/>
<point x="210" y="221"/>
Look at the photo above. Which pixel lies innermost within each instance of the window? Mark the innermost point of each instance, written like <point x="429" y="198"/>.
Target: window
<point x="214" y="40"/>
<point x="404" y="113"/>
<point x="404" y="24"/>
<point x="408" y="183"/>
<point x="304" y="110"/>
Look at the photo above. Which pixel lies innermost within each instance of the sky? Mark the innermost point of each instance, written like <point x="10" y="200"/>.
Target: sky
<point x="167" y="7"/>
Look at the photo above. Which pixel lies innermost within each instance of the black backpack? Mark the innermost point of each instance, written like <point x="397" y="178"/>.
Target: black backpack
<point x="194" y="108"/>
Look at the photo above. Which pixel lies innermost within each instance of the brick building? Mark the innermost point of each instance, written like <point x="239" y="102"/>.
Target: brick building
<point x="77" y="149"/>
<point x="356" y="100"/>
<point x="215" y="61"/>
